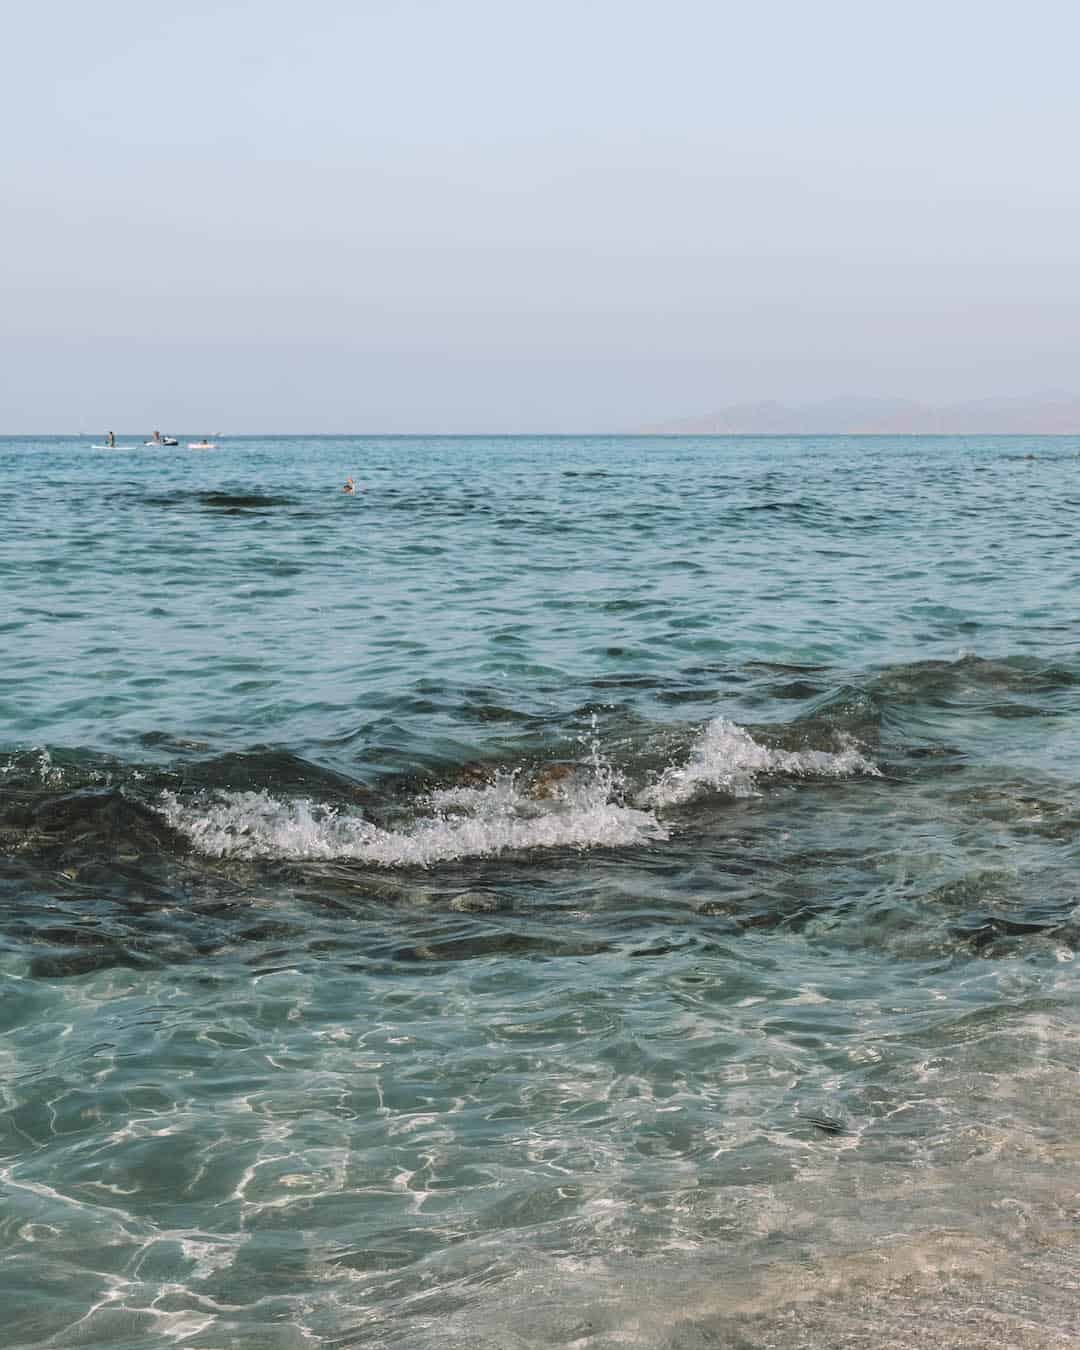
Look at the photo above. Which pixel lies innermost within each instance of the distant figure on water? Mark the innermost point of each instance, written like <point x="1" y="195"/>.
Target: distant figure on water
<point x="157" y="438"/>
<point x="349" y="485"/>
<point x="110" y="438"/>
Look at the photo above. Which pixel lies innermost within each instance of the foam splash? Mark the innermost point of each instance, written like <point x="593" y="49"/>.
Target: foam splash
<point x="512" y="813"/>
<point x="727" y="759"/>
<point x="38" y="763"/>
<point x="463" y="823"/>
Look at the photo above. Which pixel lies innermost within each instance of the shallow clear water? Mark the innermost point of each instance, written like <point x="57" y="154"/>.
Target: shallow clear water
<point x="574" y="892"/>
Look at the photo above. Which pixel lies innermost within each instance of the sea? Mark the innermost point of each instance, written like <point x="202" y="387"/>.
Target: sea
<point x="579" y="892"/>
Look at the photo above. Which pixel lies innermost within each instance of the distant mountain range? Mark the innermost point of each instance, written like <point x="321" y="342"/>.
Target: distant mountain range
<point x="1044" y="415"/>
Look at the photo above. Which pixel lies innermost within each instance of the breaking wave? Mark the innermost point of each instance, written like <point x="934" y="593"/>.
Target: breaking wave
<point x="583" y="807"/>
<point x="463" y="823"/>
<point x="726" y="759"/>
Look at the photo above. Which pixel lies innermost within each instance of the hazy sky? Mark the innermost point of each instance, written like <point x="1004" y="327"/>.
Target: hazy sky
<point x="558" y="215"/>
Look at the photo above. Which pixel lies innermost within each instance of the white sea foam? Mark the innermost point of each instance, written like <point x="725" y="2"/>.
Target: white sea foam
<point x="461" y="823"/>
<point x="727" y="759"/>
<point x="582" y="809"/>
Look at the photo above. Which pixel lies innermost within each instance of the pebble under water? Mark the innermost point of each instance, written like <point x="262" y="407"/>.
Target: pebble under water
<point x="574" y="892"/>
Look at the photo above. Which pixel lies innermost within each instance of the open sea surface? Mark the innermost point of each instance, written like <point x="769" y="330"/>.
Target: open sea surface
<point x="576" y="892"/>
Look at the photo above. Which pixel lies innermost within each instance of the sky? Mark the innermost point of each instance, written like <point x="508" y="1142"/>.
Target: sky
<point x="393" y="216"/>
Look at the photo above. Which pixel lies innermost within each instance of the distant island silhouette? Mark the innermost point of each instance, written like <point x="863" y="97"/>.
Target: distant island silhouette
<point x="1054" y="414"/>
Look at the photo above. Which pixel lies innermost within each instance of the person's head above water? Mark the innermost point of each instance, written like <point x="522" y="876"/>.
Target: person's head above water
<point x="348" y="486"/>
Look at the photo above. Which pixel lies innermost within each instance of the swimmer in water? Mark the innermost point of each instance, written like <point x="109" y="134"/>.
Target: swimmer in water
<point x="349" y="486"/>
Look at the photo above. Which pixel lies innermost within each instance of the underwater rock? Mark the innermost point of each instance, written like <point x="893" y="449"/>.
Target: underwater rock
<point x="103" y="815"/>
<point x="478" y="902"/>
<point x="549" y="780"/>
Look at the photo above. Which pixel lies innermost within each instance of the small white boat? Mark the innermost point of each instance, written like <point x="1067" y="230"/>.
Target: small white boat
<point x="202" y="445"/>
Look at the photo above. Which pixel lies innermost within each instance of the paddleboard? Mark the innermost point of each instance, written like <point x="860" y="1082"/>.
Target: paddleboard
<point x="114" y="447"/>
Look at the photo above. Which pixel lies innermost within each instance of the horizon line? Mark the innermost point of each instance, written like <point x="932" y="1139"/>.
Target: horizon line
<point x="549" y="435"/>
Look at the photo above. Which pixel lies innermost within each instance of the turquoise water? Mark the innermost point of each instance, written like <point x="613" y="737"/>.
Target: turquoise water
<point x="573" y="892"/>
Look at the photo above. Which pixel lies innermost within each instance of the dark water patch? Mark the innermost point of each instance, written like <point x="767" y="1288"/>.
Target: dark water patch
<point x="222" y="501"/>
<point x="623" y="606"/>
<point x="984" y="932"/>
<point x="506" y="944"/>
<point x="262" y="562"/>
<point x="792" y="915"/>
<point x="932" y="680"/>
<point x="235" y="502"/>
<point x="628" y="682"/>
<point x="674" y="697"/>
<point x="795" y="690"/>
<point x="680" y="565"/>
<point x="265" y="769"/>
<point x="493" y="712"/>
<point x="974" y="887"/>
<point x="783" y="667"/>
<point x="794" y="506"/>
<point x="830" y="1125"/>
<point x="175" y="745"/>
<point x="1019" y="710"/>
<point x="87" y="821"/>
<point x="95" y="913"/>
<point x="70" y="964"/>
<point x="1020" y="805"/>
<point x="815" y="512"/>
<point x="254" y="596"/>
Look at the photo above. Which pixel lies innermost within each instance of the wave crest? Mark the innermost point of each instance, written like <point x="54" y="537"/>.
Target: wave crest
<point x="726" y="759"/>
